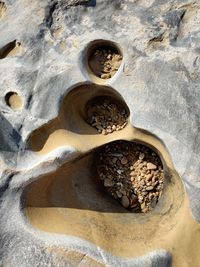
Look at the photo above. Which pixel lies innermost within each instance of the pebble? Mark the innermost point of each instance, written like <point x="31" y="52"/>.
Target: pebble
<point x="104" y="132"/>
<point x="135" y="182"/>
<point x="149" y="188"/>
<point x="119" y="194"/>
<point x="114" y="160"/>
<point x="123" y="192"/>
<point x="141" y="156"/>
<point x="125" y="201"/>
<point x="124" y="161"/>
<point x="143" y="205"/>
<point x="108" y="183"/>
<point x="119" y="171"/>
<point x="151" y="166"/>
<point x="149" y="176"/>
<point x="140" y="165"/>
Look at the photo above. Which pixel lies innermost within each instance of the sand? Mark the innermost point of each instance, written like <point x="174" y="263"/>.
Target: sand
<point x="71" y="200"/>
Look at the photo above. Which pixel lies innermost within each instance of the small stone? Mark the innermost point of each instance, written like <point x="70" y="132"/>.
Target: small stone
<point x="140" y="166"/>
<point x="124" y="161"/>
<point x="108" y="183"/>
<point x="141" y="156"/>
<point x="145" y="210"/>
<point x="149" y="176"/>
<point x="149" y="188"/>
<point x="134" y="199"/>
<point x="151" y="166"/>
<point x="114" y="160"/>
<point x="123" y="192"/>
<point x="117" y="154"/>
<point x="105" y="76"/>
<point x="119" y="194"/>
<point x="140" y="198"/>
<point x="104" y="132"/>
<point x="119" y="171"/>
<point x="125" y="201"/>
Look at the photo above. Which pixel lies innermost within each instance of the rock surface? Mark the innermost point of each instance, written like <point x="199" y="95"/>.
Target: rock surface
<point x="43" y="46"/>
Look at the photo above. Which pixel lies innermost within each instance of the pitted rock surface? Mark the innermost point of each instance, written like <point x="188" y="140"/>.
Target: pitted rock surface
<point x="42" y="51"/>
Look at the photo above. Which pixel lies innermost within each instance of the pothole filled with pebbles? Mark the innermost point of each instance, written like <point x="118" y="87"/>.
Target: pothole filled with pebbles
<point x="104" y="59"/>
<point x="106" y="114"/>
<point x="132" y="173"/>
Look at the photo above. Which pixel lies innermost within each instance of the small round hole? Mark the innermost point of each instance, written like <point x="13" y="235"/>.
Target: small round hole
<point x="14" y="101"/>
<point x="132" y="173"/>
<point x="107" y="114"/>
<point x="103" y="59"/>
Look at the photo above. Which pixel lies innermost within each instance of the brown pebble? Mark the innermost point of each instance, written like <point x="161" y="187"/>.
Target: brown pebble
<point x="140" y="165"/>
<point x="125" y="201"/>
<point x="104" y="132"/>
<point x="114" y="160"/>
<point x="151" y="166"/>
<point x="149" y="188"/>
<point x="119" y="194"/>
<point x="124" y="161"/>
<point x="141" y="156"/>
<point x="143" y="205"/>
<point x="123" y="192"/>
<point x="108" y="183"/>
<point x="149" y="176"/>
<point x="132" y="178"/>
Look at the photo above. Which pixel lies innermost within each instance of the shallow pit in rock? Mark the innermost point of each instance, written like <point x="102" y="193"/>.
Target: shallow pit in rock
<point x="14" y="101"/>
<point x="11" y="49"/>
<point x="104" y="59"/>
<point x="107" y="114"/>
<point x="132" y="173"/>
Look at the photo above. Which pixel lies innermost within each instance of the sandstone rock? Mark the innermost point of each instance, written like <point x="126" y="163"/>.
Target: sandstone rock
<point x="159" y="79"/>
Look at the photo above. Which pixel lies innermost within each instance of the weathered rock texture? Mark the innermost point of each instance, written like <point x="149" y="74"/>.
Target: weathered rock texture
<point x="42" y="52"/>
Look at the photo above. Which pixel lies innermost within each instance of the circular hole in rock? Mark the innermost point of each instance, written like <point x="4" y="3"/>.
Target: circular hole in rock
<point x="14" y="101"/>
<point x="103" y="59"/>
<point x="132" y="173"/>
<point x="107" y="114"/>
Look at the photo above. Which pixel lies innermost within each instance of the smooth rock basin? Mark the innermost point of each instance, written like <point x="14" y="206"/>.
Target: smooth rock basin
<point x="71" y="201"/>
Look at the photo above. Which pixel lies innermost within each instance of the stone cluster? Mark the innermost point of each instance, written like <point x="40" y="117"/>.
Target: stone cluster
<point x="132" y="173"/>
<point x="105" y="62"/>
<point x="106" y="115"/>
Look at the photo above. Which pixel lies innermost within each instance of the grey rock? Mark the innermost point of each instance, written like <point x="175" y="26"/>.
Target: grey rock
<point x="159" y="78"/>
